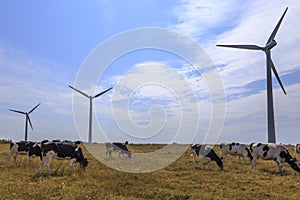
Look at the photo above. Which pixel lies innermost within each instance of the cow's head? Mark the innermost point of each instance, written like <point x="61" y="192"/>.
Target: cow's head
<point x="84" y="163"/>
<point x="219" y="163"/>
<point x="129" y="154"/>
<point x="291" y="161"/>
<point x="195" y="149"/>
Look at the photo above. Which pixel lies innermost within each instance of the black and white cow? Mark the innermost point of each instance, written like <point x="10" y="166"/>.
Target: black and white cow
<point x="235" y="149"/>
<point x="272" y="151"/>
<point x="61" y="150"/>
<point x="32" y="149"/>
<point x="118" y="147"/>
<point x="297" y="148"/>
<point x="206" y="152"/>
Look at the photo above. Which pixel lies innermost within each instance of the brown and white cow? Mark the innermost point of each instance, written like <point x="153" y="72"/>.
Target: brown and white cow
<point x="235" y="149"/>
<point x="271" y="151"/>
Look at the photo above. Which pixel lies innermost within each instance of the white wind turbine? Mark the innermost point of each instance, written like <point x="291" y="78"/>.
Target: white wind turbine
<point x="27" y="119"/>
<point x="91" y="108"/>
<point x="270" y="67"/>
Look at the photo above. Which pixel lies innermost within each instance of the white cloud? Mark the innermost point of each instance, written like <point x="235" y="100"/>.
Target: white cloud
<point x="199" y="18"/>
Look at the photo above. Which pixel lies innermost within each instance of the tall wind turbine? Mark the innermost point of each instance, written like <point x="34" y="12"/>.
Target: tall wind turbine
<point x="270" y="66"/>
<point x="27" y="118"/>
<point x="91" y="107"/>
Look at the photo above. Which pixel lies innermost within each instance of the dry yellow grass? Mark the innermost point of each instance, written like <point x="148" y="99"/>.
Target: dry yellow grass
<point x="180" y="180"/>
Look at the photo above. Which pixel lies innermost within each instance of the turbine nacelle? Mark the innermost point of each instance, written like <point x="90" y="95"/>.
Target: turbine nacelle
<point x="270" y="45"/>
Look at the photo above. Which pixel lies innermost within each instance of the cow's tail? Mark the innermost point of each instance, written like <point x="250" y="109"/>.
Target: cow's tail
<point x="249" y="154"/>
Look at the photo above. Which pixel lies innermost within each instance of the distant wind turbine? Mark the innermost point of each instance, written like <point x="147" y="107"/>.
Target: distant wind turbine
<point x="27" y="118"/>
<point x="91" y="107"/>
<point x="270" y="66"/>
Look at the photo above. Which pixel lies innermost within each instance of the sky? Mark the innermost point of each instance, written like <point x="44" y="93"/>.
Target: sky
<point x="45" y="44"/>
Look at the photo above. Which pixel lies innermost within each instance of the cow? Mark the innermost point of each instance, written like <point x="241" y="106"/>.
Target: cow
<point x="206" y="152"/>
<point x="271" y="151"/>
<point x="235" y="149"/>
<point x="297" y="148"/>
<point x="118" y="147"/>
<point x="32" y="149"/>
<point x="61" y="150"/>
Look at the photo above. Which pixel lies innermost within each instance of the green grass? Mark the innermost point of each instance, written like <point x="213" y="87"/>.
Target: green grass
<point x="180" y="180"/>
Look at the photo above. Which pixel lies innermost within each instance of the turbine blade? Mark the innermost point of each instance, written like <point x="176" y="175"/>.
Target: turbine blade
<point x="102" y="92"/>
<point x="27" y="116"/>
<point x="277" y="76"/>
<point x="34" y="108"/>
<point x="272" y="36"/>
<point x="17" y="111"/>
<point x="250" y="47"/>
<point x="79" y="91"/>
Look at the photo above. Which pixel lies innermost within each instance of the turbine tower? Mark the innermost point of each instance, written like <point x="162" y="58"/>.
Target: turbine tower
<point x="27" y="119"/>
<point x="270" y="67"/>
<point x="91" y="107"/>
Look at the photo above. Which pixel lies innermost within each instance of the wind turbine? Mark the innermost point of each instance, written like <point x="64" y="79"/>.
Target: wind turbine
<point x="27" y="118"/>
<point x="270" y="66"/>
<point x="91" y="107"/>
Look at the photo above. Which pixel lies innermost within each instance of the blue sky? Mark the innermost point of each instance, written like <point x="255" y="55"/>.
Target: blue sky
<point x="43" y="45"/>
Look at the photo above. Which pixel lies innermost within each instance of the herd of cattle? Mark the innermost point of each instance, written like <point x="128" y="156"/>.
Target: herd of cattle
<point x="266" y="151"/>
<point x="46" y="150"/>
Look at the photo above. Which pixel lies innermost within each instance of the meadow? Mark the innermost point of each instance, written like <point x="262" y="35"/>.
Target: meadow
<point x="180" y="180"/>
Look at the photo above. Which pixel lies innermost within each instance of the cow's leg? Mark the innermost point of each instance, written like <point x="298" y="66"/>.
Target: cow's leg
<point x="208" y="162"/>
<point x="245" y="157"/>
<point x="71" y="163"/>
<point x="47" y="163"/>
<point x="108" y="152"/>
<point x="30" y="160"/>
<point x="223" y="156"/>
<point x="15" y="158"/>
<point x="277" y="160"/>
<point x="203" y="162"/>
<point x="254" y="162"/>
<point x="194" y="161"/>
<point x="11" y="152"/>
<point x="41" y="165"/>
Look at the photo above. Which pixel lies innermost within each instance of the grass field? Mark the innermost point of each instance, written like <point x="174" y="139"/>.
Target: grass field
<point x="180" y="180"/>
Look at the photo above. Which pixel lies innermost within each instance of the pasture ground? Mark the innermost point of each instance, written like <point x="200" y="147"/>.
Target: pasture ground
<point x="180" y="180"/>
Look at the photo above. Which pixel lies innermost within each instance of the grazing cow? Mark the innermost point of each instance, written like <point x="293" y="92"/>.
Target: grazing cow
<point x="235" y="149"/>
<point x="297" y="148"/>
<point x="118" y="147"/>
<point x="272" y="151"/>
<point x="24" y="147"/>
<point x="206" y="152"/>
<point x="62" y="150"/>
